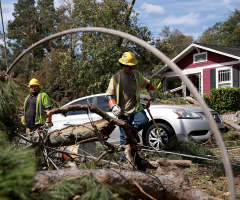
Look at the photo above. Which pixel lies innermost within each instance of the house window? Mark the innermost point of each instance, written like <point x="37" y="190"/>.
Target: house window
<point x="224" y="77"/>
<point x="200" y="57"/>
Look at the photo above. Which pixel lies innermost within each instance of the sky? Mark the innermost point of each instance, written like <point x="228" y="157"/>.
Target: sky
<point x="191" y="17"/>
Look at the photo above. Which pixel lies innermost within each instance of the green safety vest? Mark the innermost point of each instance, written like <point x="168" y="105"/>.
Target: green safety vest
<point x="141" y="81"/>
<point x="43" y="102"/>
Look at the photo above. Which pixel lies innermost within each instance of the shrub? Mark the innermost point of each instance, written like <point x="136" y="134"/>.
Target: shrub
<point x="223" y="100"/>
<point x="165" y="96"/>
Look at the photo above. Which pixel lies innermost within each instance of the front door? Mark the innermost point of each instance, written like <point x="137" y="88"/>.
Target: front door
<point x="196" y="80"/>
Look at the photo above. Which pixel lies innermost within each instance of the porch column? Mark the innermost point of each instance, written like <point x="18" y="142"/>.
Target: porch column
<point x="184" y="89"/>
<point x="164" y="85"/>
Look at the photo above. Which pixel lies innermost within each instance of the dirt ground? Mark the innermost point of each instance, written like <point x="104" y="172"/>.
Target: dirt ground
<point x="216" y="186"/>
<point x="211" y="178"/>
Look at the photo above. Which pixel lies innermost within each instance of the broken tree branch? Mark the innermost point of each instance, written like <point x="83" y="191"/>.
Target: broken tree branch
<point x="235" y="126"/>
<point x="191" y="100"/>
<point x="126" y="20"/>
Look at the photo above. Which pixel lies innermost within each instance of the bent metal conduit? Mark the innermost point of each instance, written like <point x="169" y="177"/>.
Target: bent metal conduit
<point x="174" y="67"/>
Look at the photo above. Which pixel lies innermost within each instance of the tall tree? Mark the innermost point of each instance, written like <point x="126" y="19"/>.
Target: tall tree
<point x="230" y="30"/>
<point x="20" y="28"/>
<point x="31" y="23"/>
<point x="225" y="33"/>
<point x="65" y="22"/>
<point x="58" y="63"/>
<point x="212" y="35"/>
<point x="3" y="66"/>
<point x="176" y="39"/>
<point x="171" y="43"/>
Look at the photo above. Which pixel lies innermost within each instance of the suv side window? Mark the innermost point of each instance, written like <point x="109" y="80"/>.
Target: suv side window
<point x="102" y="104"/>
<point x="80" y="112"/>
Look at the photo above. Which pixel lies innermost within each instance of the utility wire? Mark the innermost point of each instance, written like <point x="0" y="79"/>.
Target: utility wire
<point x="191" y="156"/>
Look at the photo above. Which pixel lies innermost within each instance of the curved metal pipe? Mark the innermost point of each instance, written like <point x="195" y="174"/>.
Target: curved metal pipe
<point x="175" y="68"/>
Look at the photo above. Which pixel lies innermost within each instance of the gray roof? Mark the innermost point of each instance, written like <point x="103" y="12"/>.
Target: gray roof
<point x="229" y="50"/>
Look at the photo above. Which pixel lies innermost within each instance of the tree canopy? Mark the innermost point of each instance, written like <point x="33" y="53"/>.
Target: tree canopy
<point x="99" y="52"/>
<point x="80" y="64"/>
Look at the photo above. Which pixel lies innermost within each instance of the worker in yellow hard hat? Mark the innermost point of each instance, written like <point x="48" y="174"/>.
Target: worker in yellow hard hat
<point x="123" y="96"/>
<point x="35" y="104"/>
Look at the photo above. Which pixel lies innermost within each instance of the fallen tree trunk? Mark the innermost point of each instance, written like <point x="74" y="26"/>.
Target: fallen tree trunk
<point x="79" y="132"/>
<point x="169" y="183"/>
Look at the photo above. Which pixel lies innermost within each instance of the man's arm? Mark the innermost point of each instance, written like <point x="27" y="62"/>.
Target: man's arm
<point x="149" y="86"/>
<point x="116" y="110"/>
<point x="111" y="98"/>
<point x="22" y="118"/>
<point x="47" y="104"/>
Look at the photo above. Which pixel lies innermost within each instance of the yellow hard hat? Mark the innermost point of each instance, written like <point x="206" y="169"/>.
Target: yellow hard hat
<point x="34" y="81"/>
<point x="128" y="58"/>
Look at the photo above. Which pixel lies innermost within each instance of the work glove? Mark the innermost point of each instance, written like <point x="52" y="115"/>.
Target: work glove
<point x="116" y="110"/>
<point x="48" y="124"/>
<point x="152" y="95"/>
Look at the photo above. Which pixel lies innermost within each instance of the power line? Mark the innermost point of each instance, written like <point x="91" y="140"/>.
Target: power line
<point x="191" y="156"/>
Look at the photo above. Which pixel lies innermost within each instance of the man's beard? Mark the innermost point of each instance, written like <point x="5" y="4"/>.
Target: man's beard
<point x="34" y="93"/>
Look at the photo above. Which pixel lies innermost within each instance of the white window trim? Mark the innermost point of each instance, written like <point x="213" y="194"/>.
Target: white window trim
<point x="196" y="54"/>
<point x="224" y="68"/>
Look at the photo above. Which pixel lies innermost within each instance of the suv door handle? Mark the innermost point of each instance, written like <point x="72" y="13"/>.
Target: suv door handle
<point x="66" y="124"/>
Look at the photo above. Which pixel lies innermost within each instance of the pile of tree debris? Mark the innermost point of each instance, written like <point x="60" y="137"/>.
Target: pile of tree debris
<point x="169" y="182"/>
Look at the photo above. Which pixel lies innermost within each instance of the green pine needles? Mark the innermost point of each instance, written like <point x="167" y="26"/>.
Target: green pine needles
<point x="9" y="97"/>
<point x="9" y="101"/>
<point x="87" y="187"/>
<point x="17" y="168"/>
<point x="17" y="171"/>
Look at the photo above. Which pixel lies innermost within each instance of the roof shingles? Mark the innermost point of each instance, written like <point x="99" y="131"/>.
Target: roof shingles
<point x="229" y="50"/>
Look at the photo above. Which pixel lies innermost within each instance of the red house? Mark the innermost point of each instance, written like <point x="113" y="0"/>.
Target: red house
<point x="207" y="66"/>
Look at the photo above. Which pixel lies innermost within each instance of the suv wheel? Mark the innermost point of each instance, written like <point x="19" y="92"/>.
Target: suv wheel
<point x="156" y="141"/>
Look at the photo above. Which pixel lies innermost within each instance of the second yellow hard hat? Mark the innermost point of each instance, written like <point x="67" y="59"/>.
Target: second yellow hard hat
<point x="34" y="81"/>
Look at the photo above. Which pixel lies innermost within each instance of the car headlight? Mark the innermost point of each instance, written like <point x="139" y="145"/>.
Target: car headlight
<point x="185" y="114"/>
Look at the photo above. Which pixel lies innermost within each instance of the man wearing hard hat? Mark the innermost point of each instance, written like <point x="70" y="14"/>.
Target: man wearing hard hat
<point x="35" y="104"/>
<point x="123" y="96"/>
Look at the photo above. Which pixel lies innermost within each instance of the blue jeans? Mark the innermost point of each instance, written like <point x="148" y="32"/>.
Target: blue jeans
<point x="140" y="120"/>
